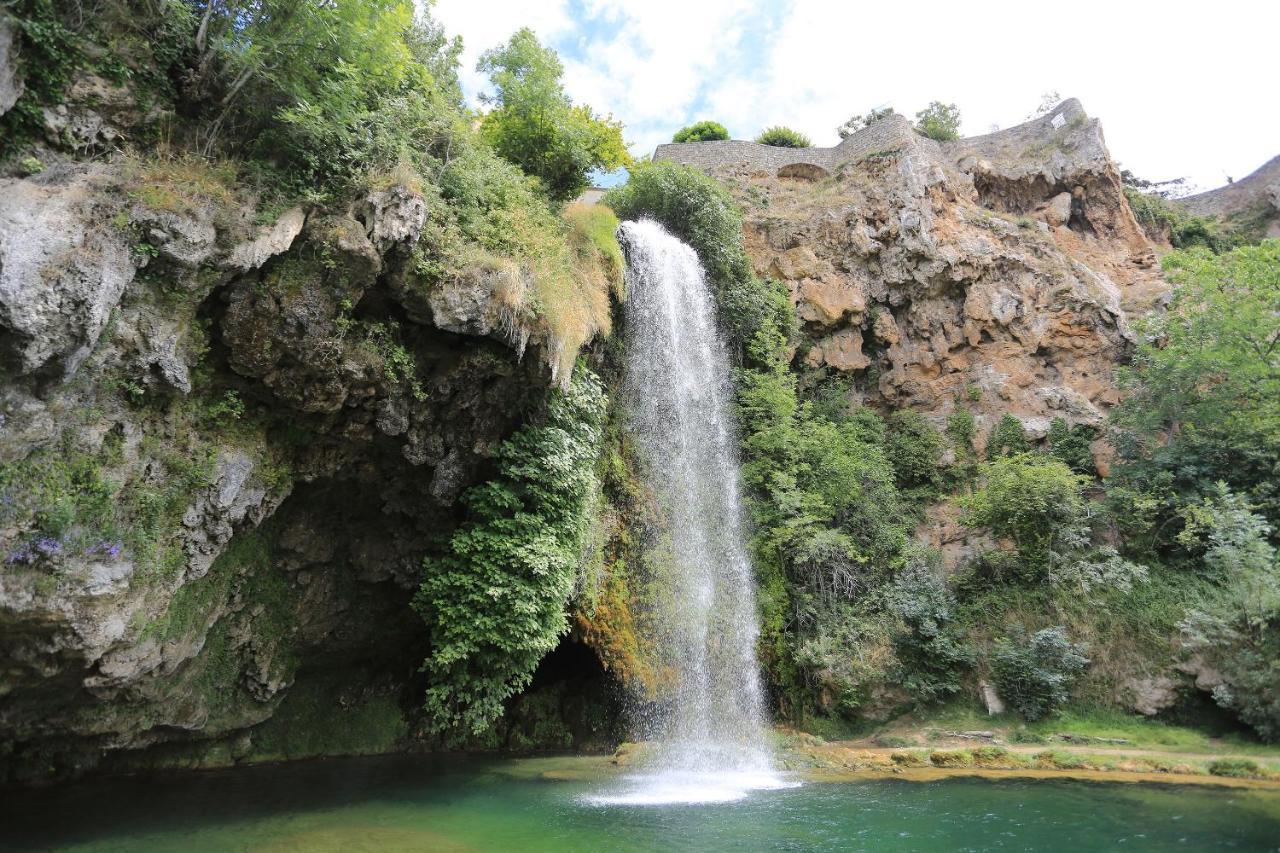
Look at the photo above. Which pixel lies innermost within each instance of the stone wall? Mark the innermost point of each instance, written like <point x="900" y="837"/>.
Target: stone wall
<point x="1068" y="119"/>
<point x="887" y="135"/>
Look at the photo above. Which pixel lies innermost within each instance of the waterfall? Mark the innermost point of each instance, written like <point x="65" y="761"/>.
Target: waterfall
<point x="711" y="738"/>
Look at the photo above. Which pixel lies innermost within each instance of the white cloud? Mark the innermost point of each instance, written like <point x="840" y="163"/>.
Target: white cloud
<point x="1180" y="89"/>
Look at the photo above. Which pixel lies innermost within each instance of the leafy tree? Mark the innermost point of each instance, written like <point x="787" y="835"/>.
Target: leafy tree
<point x="857" y="123"/>
<point x="783" y="137"/>
<point x="535" y="125"/>
<point x="1034" y="500"/>
<point x="333" y="88"/>
<point x="703" y="131"/>
<point x="939" y="121"/>
<point x="1237" y="630"/>
<point x="931" y="649"/>
<point x="1007" y="438"/>
<point x="1204" y="401"/>
<point x="914" y="449"/>
<point x="494" y="602"/>
<point x="1070" y="445"/>
<point x="1034" y="674"/>
<point x="698" y="210"/>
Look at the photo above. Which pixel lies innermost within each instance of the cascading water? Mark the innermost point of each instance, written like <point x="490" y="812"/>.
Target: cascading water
<point x="712" y="736"/>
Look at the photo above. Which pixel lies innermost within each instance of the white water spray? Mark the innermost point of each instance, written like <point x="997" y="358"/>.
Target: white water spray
<point x="712" y="737"/>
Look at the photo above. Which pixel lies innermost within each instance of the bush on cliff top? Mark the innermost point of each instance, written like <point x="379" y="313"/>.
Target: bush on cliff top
<point x="703" y="131"/>
<point x="939" y="121"/>
<point x="783" y="137"/>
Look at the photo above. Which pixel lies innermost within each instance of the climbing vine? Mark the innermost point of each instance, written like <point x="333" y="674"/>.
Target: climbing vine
<point x="494" y="602"/>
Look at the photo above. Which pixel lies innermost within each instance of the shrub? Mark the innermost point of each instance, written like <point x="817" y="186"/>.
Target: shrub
<point x="536" y="126"/>
<point x="698" y="210"/>
<point x="1236" y="768"/>
<point x="1034" y="674"/>
<point x="857" y="123"/>
<point x="703" y="131"/>
<point x="783" y="137"/>
<point x="1007" y="438"/>
<point x="907" y="759"/>
<point x="1034" y="500"/>
<point x="1070" y="445"/>
<point x="914" y="449"/>
<point x="931" y="649"/>
<point x="939" y="121"/>
<point x="494" y="602"/>
<point x="1162" y="220"/>
<point x="1237" y="629"/>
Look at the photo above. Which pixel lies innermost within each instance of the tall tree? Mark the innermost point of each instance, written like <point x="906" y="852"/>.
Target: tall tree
<point x="535" y="125"/>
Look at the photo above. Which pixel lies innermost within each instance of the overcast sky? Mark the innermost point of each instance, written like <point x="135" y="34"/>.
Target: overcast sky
<point x="1183" y="89"/>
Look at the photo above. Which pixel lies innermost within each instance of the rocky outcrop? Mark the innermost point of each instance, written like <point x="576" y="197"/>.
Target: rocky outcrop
<point x="61" y="270"/>
<point x="996" y="273"/>
<point x="1252" y="202"/>
<point x="224" y="451"/>
<point x="11" y="83"/>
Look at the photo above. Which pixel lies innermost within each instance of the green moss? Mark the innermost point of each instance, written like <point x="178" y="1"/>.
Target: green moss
<point x="1237" y="768"/>
<point x="313" y="720"/>
<point x="951" y="758"/>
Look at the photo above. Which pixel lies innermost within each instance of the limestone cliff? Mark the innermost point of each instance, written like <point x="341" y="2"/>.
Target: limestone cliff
<point x="226" y="441"/>
<point x="1000" y="271"/>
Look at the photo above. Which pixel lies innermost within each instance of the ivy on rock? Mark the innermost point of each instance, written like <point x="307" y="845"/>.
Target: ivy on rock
<point x="494" y="602"/>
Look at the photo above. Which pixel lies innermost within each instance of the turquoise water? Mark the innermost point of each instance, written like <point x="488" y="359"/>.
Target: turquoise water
<point x="422" y="804"/>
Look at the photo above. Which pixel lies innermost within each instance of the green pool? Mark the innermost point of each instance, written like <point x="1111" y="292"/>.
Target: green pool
<point x="433" y="804"/>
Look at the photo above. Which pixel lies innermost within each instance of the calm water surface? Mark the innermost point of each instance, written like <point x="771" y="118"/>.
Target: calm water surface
<point x="427" y="804"/>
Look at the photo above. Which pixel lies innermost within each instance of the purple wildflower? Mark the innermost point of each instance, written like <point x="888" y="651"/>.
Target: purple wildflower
<point x="20" y="556"/>
<point x="105" y="547"/>
<point x="48" y="547"/>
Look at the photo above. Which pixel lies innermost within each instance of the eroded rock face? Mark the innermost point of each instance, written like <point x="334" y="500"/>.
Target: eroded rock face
<point x="11" y="83"/>
<point x="998" y="273"/>
<point x="61" y="270"/>
<point x="278" y="431"/>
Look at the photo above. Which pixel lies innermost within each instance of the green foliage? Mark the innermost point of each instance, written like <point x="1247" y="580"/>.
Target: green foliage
<point x="703" y="131"/>
<point x="1034" y="500"/>
<point x="1204" y="401"/>
<point x="961" y="430"/>
<point x="535" y="125"/>
<point x="914" y="449"/>
<point x="1034" y="674"/>
<point x="66" y="501"/>
<point x="1236" y="768"/>
<point x="699" y="211"/>
<point x="50" y="52"/>
<point x="1237" y="628"/>
<point x="329" y="91"/>
<point x="1008" y="438"/>
<point x="1070" y="445"/>
<point x="827" y="508"/>
<point x="939" y="121"/>
<point x="783" y="137"/>
<point x="494" y="601"/>
<point x="930" y="647"/>
<point x="857" y="123"/>
<point x="1164" y="220"/>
